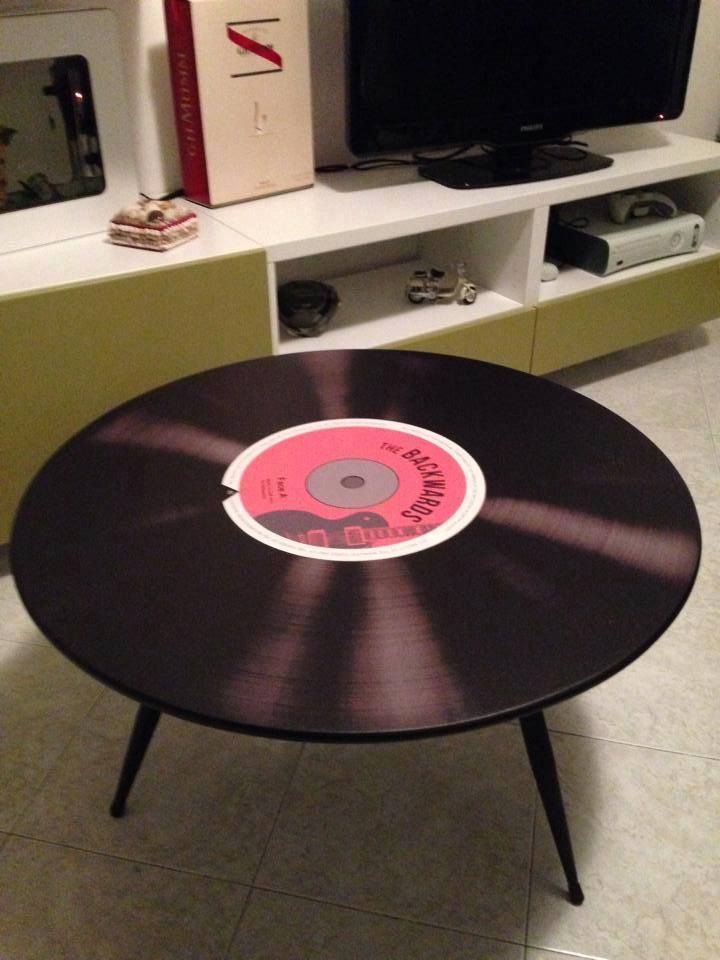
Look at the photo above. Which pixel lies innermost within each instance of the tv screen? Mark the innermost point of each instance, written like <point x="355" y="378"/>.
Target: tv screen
<point x="511" y="74"/>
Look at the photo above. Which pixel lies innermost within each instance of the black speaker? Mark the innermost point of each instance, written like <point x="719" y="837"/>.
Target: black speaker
<point x="306" y="306"/>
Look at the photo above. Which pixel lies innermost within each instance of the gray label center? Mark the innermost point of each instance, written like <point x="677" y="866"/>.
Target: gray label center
<point x="352" y="483"/>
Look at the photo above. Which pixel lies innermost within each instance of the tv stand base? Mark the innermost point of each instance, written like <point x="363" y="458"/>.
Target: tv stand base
<point x="504" y="166"/>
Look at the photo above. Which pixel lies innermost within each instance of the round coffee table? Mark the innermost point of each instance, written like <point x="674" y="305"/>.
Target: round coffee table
<point x="481" y="544"/>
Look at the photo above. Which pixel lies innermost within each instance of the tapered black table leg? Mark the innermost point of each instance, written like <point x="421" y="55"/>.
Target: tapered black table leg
<point x="145" y="722"/>
<point x="542" y="760"/>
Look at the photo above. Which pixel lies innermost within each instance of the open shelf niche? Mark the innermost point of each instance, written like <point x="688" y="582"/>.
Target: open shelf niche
<point x="499" y="254"/>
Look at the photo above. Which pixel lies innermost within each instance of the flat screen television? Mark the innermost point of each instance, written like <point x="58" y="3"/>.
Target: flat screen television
<point x="518" y="77"/>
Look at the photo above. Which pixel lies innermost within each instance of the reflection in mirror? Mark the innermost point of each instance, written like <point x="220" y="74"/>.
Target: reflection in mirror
<point x="49" y="144"/>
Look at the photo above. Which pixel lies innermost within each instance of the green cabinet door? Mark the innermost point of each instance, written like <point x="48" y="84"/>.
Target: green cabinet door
<point x="71" y="353"/>
<point x="624" y="313"/>
<point x="506" y="340"/>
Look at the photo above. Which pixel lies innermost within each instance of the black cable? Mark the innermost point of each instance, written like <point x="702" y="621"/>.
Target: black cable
<point x="377" y="163"/>
<point x="372" y="163"/>
<point x="425" y="158"/>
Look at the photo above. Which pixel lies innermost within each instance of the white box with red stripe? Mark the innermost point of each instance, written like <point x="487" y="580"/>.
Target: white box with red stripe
<point x="241" y="89"/>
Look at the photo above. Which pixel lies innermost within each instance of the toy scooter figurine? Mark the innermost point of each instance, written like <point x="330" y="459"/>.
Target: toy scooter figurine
<point x="435" y="286"/>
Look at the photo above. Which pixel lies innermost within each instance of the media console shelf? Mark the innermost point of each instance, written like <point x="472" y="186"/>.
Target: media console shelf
<point x="85" y="325"/>
<point x="365" y="232"/>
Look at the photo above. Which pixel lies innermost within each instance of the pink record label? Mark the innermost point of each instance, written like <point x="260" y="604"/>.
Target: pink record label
<point x="353" y="489"/>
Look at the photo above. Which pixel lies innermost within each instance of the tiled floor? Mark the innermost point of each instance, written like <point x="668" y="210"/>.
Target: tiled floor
<point x="242" y="849"/>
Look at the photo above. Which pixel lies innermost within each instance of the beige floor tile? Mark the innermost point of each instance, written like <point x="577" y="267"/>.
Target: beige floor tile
<point x="63" y="904"/>
<point x="644" y="825"/>
<point x="707" y="359"/>
<point x="43" y="702"/>
<point x="707" y="350"/>
<point x="15" y="623"/>
<point x="682" y="346"/>
<point x="692" y="451"/>
<point x="278" y="927"/>
<point x="435" y="831"/>
<point x="668" y="698"/>
<point x="710" y="383"/>
<point x="204" y="801"/>
<point x="711" y="333"/>
<point x="706" y="587"/>
<point x="656" y="384"/>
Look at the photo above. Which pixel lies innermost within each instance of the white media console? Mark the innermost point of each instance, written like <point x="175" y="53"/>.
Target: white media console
<point x="85" y="325"/>
<point x="365" y="231"/>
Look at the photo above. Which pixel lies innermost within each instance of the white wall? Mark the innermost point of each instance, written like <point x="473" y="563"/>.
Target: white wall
<point x="701" y="117"/>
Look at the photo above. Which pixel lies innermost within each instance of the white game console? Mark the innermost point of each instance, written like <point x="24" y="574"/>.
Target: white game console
<point x="583" y="234"/>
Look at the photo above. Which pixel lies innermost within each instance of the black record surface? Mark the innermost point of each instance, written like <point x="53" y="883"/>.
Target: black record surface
<point x="584" y="551"/>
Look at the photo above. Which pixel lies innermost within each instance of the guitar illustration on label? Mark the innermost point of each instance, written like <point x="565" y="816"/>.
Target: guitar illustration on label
<point x="361" y="529"/>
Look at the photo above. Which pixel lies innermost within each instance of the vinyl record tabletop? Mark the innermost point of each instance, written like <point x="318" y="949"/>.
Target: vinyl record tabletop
<point x="555" y="545"/>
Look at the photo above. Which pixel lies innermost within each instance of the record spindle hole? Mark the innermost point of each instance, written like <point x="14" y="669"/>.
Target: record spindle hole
<point x="352" y="482"/>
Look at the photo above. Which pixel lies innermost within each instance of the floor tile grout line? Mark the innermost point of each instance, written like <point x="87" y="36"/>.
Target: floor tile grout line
<point x="280" y="807"/>
<point x="38" y="787"/>
<point x="635" y="746"/>
<point x="197" y="874"/>
<point x="528" y="902"/>
<point x="715" y="437"/>
<point x="706" y="406"/>
<point x="260" y="888"/>
<point x="42" y="644"/>
<point x="238" y="923"/>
